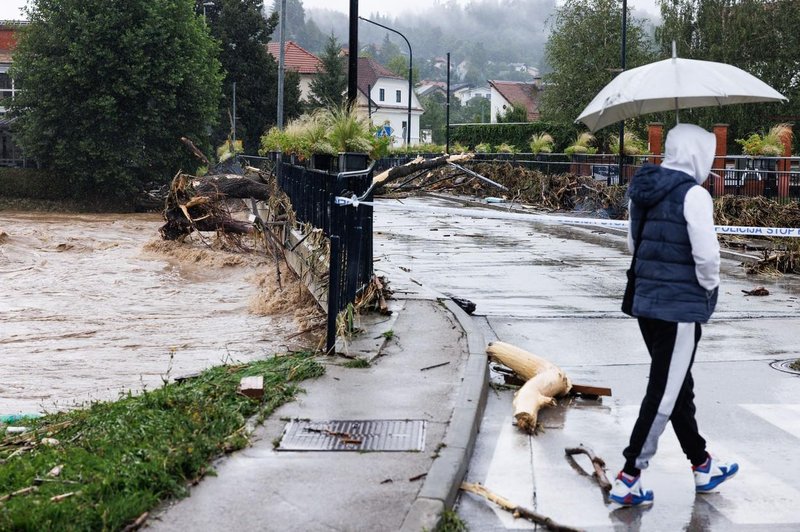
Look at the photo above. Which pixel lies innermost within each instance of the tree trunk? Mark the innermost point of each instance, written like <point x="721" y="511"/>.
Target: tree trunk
<point x="543" y="381"/>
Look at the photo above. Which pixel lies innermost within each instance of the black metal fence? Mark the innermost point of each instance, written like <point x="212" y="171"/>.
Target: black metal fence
<point x="313" y="193"/>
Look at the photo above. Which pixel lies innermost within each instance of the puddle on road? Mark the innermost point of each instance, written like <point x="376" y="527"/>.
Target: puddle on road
<point x="95" y="305"/>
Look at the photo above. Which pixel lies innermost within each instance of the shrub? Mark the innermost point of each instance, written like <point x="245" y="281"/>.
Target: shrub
<point x="633" y="144"/>
<point x="541" y="143"/>
<point x="32" y="184"/>
<point x="769" y="144"/>
<point x="518" y="135"/>
<point x="581" y="145"/>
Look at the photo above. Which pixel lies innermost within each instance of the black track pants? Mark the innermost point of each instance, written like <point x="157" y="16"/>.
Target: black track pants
<point x="669" y="396"/>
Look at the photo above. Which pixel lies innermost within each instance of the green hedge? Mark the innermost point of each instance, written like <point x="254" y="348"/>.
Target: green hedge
<point x="518" y="135"/>
<point x="31" y="183"/>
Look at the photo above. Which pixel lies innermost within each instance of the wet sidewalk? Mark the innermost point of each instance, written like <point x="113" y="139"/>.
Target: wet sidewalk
<point x="427" y="364"/>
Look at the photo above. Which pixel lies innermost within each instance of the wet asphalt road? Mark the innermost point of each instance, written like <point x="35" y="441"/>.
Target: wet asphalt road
<point x="555" y="291"/>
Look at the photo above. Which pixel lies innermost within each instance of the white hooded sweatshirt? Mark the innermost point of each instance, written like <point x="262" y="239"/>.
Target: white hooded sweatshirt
<point x="690" y="149"/>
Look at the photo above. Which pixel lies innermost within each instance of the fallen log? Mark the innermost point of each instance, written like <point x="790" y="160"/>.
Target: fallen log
<point x="544" y="381"/>
<point x="417" y="165"/>
<point x="515" y="509"/>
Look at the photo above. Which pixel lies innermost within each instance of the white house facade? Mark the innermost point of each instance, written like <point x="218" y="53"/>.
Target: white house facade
<point x="467" y="93"/>
<point x="387" y="104"/>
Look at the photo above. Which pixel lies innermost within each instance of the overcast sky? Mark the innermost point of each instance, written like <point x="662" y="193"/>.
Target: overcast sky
<point x="10" y="9"/>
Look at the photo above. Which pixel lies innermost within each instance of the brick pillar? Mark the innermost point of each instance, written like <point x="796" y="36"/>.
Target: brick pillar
<point x="721" y="132"/>
<point x="655" y="137"/>
<point x="784" y="165"/>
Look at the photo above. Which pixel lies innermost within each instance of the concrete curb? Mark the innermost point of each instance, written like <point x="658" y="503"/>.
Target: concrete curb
<point x="444" y="478"/>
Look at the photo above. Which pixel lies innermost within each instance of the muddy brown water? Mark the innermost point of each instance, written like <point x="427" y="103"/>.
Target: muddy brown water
<point x="92" y="306"/>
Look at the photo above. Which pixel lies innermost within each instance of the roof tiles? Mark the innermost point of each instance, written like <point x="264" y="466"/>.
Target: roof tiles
<point x="296" y="57"/>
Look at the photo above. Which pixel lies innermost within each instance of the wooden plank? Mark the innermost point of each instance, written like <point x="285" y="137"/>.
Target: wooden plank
<point x="252" y="387"/>
<point x="584" y="389"/>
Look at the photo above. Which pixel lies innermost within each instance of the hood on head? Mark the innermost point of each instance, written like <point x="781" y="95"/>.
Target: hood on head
<point x="690" y="149"/>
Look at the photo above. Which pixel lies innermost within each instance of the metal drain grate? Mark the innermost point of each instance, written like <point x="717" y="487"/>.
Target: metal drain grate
<point x="354" y="435"/>
<point x="785" y="366"/>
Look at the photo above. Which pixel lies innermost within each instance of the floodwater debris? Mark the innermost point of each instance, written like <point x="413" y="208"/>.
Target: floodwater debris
<point x="252" y="387"/>
<point x="434" y="366"/>
<point x="598" y="464"/>
<point x="758" y="291"/>
<point x="544" y="381"/>
<point x="515" y="509"/>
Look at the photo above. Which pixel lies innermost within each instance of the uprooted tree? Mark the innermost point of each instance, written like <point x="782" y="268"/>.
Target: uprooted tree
<point x="195" y="204"/>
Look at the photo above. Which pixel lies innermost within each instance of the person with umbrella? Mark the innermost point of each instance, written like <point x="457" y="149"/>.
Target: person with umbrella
<point x="677" y="265"/>
<point x="676" y="253"/>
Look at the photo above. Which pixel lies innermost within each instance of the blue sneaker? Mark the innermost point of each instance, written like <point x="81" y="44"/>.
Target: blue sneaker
<point x="712" y="473"/>
<point x="628" y="491"/>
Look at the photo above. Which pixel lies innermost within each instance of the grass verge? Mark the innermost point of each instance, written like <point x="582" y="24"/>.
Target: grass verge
<point x="119" y="459"/>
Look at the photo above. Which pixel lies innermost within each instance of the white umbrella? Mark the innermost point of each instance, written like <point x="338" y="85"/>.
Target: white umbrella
<point x="674" y="83"/>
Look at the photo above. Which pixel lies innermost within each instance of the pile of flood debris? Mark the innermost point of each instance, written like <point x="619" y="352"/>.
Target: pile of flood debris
<point x="779" y="254"/>
<point x="556" y="192"/>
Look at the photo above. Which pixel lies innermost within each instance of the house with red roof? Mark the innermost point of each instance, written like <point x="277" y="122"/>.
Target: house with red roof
<point x="300" y="60"/>
<point x="505" y="94"/>
<point x="383" y="97"/>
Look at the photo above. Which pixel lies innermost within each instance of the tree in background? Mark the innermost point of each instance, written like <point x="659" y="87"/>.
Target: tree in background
<point x="304" y="32"/>
<point x="475" y="111"/>
<point x="110" y="88"/>
<point x="399" y="65"/>
<point x="243" y="33"/>
<point x="584" y="53"/>
<point x="329" y="85"/>
<point x="434" y="117"/>
<point x="387" y="51"/>
<point x="756" y="36"/>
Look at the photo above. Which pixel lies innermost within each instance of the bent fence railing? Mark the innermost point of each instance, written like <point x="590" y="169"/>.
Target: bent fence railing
<point x="349" y="229"/>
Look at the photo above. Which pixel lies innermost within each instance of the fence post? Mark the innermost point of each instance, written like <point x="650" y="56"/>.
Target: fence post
<point x="655" y="137"/>
<point x="718" y="183"/>
<point x="785" y="165"/>
<point x="334" y="279"/>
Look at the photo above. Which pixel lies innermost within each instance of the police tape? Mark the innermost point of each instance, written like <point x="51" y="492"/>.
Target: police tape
<point x="791" y="232"/>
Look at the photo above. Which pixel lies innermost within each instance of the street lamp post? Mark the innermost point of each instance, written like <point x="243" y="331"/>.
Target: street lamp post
<point x="622" y="65"/>
<point x="410" y="61"/>
<point x="204" y="9"/>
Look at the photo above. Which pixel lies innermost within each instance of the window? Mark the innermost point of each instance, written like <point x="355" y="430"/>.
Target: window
<point x="398" y="96"/>
<point x="382" y="95"/>
<point x="6" y="88"/>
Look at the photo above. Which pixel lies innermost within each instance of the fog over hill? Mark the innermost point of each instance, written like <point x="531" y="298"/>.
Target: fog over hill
<point x="484" y="37"/>
<point x="504" y="31"/>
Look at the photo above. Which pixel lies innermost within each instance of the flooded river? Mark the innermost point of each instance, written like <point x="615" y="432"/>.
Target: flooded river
<point x="94" y="305"/>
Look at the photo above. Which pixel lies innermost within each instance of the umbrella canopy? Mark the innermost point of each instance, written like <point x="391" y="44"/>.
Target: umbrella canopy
<point x="673" y="84"/>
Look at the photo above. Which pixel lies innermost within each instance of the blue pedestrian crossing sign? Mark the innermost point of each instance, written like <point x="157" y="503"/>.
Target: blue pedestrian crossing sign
<point x="385" y="131"/>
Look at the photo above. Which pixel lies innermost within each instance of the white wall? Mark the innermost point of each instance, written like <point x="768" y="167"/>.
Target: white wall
<point x="499" y="105"/>
<point x="394" y="112"/>
<point x="305" y="86"/>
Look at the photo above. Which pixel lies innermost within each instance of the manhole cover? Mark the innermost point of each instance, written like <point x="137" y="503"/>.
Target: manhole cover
<point x="354" y="435"/>
<point x="786" y="365"/>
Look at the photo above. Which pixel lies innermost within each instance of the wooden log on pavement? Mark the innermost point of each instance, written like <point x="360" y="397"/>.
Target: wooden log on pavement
<point x="515" y="509"/>
<point x="544" y="381"/>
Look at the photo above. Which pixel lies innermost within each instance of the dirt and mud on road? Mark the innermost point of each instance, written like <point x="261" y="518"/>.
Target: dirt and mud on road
<point x="92" y="306"/>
